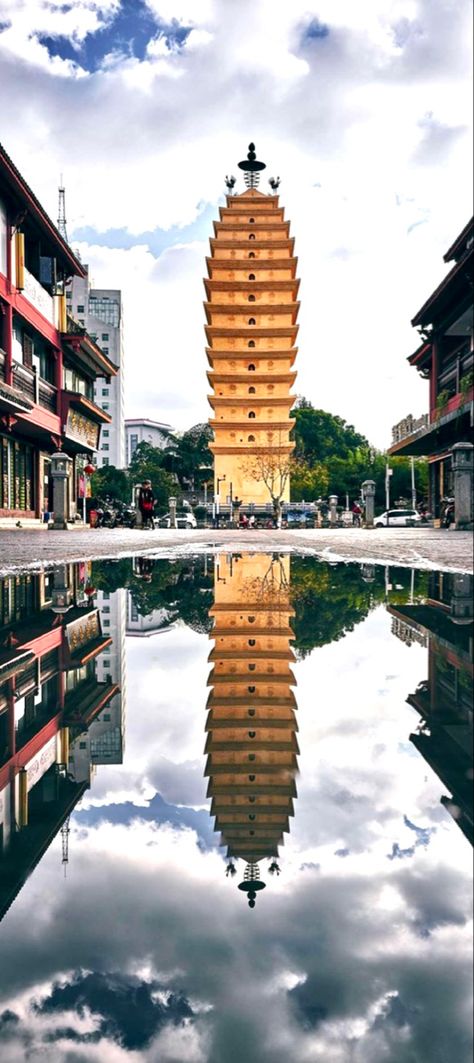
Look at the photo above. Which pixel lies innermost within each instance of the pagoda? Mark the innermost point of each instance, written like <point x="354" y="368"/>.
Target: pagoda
<point x="251" y="724"/>
<point x="251" y="312"/>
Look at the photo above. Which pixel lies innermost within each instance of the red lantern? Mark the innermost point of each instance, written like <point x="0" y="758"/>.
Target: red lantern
<point x="89" y="469"/>
<point x="90" y="590"/>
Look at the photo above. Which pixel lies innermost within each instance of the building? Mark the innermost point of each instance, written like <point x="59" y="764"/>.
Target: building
<point x="445" y="359"/>
<point x="142" y="430"/>
<point x="444" y="700"/>
<point x="251" y="725"/>
<point x="251" y="312"/>
<point x="48" y="362"/>
<point x="100" y="311"/>
<point x="54" y="704"/>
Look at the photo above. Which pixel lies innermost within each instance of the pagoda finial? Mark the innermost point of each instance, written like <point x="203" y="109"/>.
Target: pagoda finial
<point x="251" y="167"/>
<point x="252" y="884"/>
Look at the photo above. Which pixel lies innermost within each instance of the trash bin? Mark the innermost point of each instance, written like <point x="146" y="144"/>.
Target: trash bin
<point x="93" y="518"/>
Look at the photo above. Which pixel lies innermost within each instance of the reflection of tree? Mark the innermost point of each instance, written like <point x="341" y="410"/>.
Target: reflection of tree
<point x="180" y="587"/>
<point x="329" y="601"/>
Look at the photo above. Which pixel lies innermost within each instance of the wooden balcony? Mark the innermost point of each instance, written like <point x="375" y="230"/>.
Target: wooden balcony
<point x="32" y="387"/>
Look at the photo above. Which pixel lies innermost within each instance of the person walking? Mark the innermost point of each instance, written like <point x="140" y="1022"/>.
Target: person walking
<point x="146" y="502"/>
<point x="356" y="515"/>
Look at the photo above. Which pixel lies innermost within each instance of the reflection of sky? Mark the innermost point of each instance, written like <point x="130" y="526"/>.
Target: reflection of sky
<point x="352" y="956"/>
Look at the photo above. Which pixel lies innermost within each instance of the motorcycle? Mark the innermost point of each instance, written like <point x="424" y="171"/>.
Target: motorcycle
<point x="106" y="514"/>
<point x="126" y="515"/>
<point x="447" y="512"/>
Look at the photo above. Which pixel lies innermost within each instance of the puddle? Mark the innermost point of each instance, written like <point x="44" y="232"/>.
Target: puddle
<point x="235" y="812"/>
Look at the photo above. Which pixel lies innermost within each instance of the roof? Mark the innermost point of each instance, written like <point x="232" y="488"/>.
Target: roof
<point x="130" y="421"/>
<point x="444" y="291"/>
<point x="21" y="190"/>
<point x="457" y="246"/>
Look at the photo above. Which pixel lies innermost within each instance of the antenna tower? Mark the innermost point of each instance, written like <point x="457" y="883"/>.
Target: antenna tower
<point x="62" y="209"/>
<point x="65" y="832"/>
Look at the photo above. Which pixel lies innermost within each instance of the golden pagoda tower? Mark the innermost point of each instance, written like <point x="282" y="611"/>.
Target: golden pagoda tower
<point x="251" y="311"/>
<point x="251" y="724"/>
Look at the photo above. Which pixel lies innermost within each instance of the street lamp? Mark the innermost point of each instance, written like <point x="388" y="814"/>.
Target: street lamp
<point x="219" y="480"/>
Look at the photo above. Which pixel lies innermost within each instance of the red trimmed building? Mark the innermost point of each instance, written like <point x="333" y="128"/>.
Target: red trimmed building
<point x="445" y="359"/>
<point x="48" y="362"/>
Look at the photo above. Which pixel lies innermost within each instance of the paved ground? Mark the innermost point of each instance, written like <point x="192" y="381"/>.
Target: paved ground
<point x="421" y="547"/>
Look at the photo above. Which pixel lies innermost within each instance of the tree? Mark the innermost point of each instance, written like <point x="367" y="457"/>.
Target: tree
<point x="147" y="464"/>
<point x="308" y="481"/>
<point x="111" y="481"/>
<point x="272" y="465"/>
<point x="319" y="435"/>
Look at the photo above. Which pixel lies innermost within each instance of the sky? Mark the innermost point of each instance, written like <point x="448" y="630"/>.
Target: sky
<point x="147" y="952"/>
<point x="362" y="109"/>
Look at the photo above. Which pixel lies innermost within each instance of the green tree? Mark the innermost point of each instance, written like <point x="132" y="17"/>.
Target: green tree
<point x="111" y="481"/>
<point x="319" y="435"/>
<point x="147" y="464"/>
<point x="308" y="482"/>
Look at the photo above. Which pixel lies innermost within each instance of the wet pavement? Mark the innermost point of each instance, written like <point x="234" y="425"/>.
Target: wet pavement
<point x="423" y="547"/>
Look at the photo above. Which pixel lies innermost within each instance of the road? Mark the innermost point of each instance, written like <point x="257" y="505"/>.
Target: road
<point x="418" y="547"/>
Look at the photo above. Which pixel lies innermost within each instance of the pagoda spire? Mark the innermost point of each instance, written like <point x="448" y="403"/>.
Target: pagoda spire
<point x="252" y="168"/>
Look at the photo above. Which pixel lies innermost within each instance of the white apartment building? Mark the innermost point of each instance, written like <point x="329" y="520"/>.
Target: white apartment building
<point x="141" y="430"/>
<point x="100" y="311"/>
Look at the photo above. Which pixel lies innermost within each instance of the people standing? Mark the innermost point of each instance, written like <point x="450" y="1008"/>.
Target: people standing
<point x="146" y="503"/>
<point x="356" y="514"/>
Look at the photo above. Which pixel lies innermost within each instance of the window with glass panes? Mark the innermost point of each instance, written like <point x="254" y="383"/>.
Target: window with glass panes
<point x="17" y="487"/>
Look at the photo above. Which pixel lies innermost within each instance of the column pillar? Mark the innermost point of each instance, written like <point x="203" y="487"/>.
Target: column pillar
<point x="463" y="465"/>
<point x="60" y="470"/>
<point x="368" y="490"/>
<point x="333" y="508"/>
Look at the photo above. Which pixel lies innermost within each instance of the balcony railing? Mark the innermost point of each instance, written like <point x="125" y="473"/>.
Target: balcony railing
<point x="38" y="296"/>
<point x="27" y="381"/>
<point x="409" y="426"/>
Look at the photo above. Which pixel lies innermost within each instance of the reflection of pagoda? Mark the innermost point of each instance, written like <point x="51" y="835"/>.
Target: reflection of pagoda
<point x="444" y="700"/>
<point x="51" y="704"/>
<point x="251" y="745"/>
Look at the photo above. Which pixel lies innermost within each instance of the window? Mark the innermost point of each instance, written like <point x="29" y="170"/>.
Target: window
<point x="252" y="415"/>
<point x="105" y="461"/>
<point x="251" y="321"/>
<point x="252" y="391"/>
<point x="251" y="276"/>
<point x="105" y="446"/>
<point x="251" y="254"/>
<point x="252" y="236"/>
<point x="80" y="308"/>
<point x="105" y="336"/>
<point x="251" y="368"/>
<point x="105" y="406"/>
<point x="105" y="391"/>
<point x="105" y="433"/>
<point x="251" y="343"/>
<point x="251" y="298"/>
<point x="251" y="439"/>
<point x="82" y="745"/>
<point x="105" y="350"/>
<point x="133" y="444"/>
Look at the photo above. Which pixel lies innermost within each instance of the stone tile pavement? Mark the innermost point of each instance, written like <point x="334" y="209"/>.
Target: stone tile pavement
<point x="419" y="547"/>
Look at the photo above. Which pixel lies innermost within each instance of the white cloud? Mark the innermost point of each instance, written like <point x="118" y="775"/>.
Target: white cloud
<point x="367" y="126"/>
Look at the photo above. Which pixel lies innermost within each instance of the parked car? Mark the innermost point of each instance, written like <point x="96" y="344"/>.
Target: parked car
<point x="296" y="516"/>
<point x="398" y="518"/>
<point x="184" y="519"/>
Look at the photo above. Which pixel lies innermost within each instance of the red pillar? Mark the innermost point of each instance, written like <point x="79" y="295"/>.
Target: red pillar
<point x="433" y="377"/>
<point x="8" y="341"/>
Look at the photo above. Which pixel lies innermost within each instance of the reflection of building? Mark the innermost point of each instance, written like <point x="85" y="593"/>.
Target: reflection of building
<point x="445" y="358"/>
<point x="142" y="625"/>
<point x="142" y="430"/>
<point x="251" y="745"/>
<point x="251" y="312"/>
<point x="51" y="699"/>
<point x="445" y="699"/>
<point x="48" y="362"/>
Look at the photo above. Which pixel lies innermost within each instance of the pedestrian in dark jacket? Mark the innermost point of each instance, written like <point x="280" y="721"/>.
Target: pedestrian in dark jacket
<point x="146" y="502"/>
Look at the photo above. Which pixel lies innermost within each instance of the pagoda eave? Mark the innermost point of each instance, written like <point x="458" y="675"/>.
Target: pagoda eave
<point x="291" y="284"/>
<point x="246" y="449"/>
<point x="252" y="245"/>
<point x="251" y="400"/>
<point x="252" y="331"/>
<point x="246" y="309"/>
<point x="250" y="263"/>
<point x="216" y="378"/>
<point x="254" y="424"/>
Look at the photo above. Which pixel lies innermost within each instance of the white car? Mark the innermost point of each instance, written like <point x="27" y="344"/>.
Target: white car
<point x="398" y="518"/>
<point x="183" y="520"/>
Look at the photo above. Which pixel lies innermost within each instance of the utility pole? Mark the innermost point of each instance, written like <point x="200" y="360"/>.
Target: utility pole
<point x="388" y="474"/>
<point x="413" y="484"/>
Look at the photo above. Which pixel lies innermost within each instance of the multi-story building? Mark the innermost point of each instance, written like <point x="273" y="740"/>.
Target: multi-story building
<point x="251" y="726"/>
<point x="48" y="362"/>
<point x="52" y="696"/>
<point x="100" y="310"/>
<point x="444" y="358"/>
<point x="142" y="430"/>
<point x="251" y="312"/>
